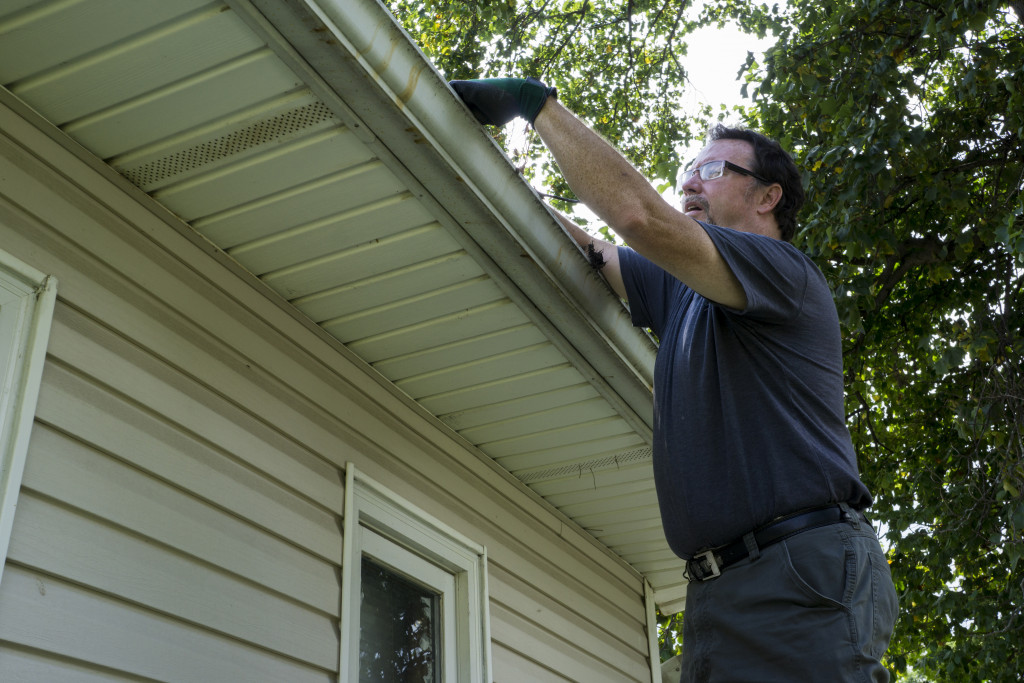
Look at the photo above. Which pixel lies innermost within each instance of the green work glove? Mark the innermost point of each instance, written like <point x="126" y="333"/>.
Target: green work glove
<point x="496" y="101"/>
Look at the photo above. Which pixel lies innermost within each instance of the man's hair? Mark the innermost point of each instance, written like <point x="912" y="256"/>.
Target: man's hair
<point x="772" y="163"/>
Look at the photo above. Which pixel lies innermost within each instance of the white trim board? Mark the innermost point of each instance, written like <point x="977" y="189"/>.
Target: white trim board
<point x="27" y="299"/>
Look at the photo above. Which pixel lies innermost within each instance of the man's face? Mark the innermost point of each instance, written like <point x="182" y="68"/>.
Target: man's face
<point x="726" y="201"/>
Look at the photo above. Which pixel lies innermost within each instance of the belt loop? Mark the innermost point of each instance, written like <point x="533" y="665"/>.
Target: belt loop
<point x="752" y="550"/>
<point x="850" y="515"/>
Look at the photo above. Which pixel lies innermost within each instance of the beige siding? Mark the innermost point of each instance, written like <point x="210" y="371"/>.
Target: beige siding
<point x="180" y="515"/>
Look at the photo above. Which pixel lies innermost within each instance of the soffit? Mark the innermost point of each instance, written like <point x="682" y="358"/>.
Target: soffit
<point x="318" y="181"/>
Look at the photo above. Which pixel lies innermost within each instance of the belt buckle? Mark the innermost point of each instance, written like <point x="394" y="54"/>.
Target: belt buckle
<point x="709" y="557"/>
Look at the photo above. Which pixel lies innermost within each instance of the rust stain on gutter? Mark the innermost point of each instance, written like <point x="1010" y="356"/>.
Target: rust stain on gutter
<point x="417" y="136"/>
<point x="382" y="65"/>
<point x="410" y="86"/>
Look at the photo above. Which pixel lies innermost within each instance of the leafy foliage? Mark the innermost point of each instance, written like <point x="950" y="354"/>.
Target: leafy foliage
<point x="614" y="62"/>
<point x="670" y="635"/>
<point x="908" y="118"/>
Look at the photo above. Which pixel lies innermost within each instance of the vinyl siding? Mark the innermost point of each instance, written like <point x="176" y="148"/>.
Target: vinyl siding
<point x="180" y="513"/>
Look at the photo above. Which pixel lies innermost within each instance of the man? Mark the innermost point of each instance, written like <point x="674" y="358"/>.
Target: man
<point x="756" y="475"/>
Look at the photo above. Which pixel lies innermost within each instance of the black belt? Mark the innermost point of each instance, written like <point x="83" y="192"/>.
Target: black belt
<point x="709" y="563"/>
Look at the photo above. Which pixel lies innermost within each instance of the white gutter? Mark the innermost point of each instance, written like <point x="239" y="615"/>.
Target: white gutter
<point x="377" y="79"/>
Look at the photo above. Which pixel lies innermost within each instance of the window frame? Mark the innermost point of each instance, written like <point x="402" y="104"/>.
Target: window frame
<point x="422" y="572"/>
<point x="393" y="532"/>
<point x="27" y="301"/>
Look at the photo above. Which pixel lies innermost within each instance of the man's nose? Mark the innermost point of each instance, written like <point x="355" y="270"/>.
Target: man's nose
<point x="691" y="185"/>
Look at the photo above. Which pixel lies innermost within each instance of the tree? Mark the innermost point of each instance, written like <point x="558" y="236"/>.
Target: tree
<point x="908" y="119"/>
<point x="614" y="62"/>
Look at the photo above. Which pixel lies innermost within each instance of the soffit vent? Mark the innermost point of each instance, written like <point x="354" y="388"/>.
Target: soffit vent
<point x="260" y="133"/>
<point x="580" y="469"/>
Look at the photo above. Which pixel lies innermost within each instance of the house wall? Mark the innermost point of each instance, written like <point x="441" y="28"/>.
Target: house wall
<point x="180" y="516"/>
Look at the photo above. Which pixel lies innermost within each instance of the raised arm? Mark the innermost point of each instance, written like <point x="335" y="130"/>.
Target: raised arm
<point x="603" y="255"/>
<point x="606" y="182"/>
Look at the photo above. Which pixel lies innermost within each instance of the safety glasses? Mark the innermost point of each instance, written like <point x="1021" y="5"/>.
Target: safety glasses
<point x="715" y="169"/>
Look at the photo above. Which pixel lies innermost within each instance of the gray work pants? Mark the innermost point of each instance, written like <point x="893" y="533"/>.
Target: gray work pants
<point x="819" y="606"/>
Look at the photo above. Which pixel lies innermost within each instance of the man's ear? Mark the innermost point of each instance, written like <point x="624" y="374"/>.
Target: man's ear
<point x="769" y="198"/>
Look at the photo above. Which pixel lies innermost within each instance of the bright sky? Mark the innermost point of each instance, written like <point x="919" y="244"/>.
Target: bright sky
<point x="714" y="56"/>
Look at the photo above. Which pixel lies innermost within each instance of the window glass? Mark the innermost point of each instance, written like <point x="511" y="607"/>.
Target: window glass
<point x="399" y="628"/>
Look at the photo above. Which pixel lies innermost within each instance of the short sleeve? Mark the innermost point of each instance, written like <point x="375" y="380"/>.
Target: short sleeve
<point x="774" y="274"/>
<point x="650" y="290"/>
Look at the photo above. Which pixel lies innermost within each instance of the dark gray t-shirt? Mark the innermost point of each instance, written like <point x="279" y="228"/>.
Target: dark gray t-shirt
<point x="749" y="422"/>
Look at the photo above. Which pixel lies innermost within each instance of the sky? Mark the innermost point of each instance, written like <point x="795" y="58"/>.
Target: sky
<point x="714" y="56"/>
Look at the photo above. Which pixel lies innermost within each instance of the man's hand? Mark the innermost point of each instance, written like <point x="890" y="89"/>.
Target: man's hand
<point x="496" y="101"/>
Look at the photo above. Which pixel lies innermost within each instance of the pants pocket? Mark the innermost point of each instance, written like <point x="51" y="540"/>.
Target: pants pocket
<point x="885" y="602"/>
<point x="823" y="566"/>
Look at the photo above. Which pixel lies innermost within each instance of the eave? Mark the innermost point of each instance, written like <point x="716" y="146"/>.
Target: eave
<point x="312" y="144"/>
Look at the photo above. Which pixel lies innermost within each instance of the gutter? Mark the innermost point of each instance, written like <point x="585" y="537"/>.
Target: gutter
<point x="380" y="85"/>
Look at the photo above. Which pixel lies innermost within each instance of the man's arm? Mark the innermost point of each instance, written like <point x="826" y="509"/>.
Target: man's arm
<point x="606" y="182"/>
<point x="598" y="251"/>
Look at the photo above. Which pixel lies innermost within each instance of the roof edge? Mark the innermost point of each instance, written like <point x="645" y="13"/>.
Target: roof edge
<point x="414" y="113"/>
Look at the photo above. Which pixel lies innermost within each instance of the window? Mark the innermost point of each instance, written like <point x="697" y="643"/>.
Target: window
<point x="26" y="308"/>
<point x="414" y="602"/>
<point x="402" y="617"/>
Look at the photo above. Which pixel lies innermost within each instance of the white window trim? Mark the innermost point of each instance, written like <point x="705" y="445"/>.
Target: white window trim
<point x="27" y="299"/>
<point x="374" y="513"/>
